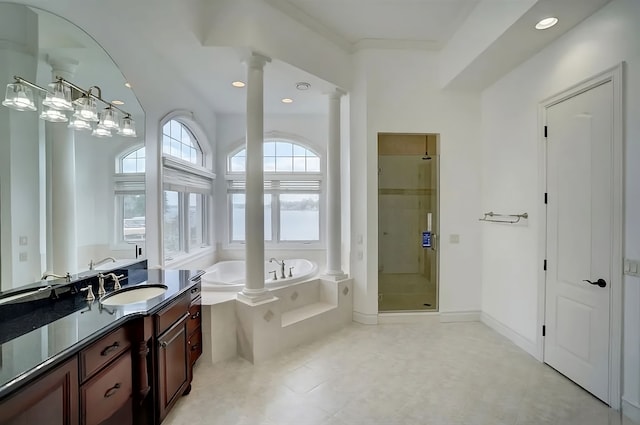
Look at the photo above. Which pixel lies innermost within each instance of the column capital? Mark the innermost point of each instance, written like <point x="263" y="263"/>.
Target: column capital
<point x="336" y="94"/>
<point x="255" y="60"/>
<point x="62" y="67"/>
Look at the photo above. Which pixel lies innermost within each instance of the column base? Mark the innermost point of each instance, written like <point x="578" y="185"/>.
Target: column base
<point x="334" y="275"/>
<point x="254" y="296"/>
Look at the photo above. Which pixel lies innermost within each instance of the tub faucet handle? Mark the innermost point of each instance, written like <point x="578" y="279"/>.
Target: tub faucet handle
<point x="291" y="274"/>
<point x="275" y="274"/>
<point x="89" y="290"/>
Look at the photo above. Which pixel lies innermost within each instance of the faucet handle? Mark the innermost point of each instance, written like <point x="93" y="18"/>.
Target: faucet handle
<point x="116" y="281"/>
<point x="291" y="274"/>
<point x="101" y="290"/>
<point x="275" y="274"/>
<point x="89" y="290"/>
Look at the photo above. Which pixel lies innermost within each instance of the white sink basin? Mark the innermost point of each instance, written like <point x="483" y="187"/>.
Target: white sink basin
<point x="133" y="294"/>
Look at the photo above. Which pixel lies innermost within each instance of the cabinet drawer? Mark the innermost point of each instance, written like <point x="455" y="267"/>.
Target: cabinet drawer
<point x="195" y="346"/>
<point x="172" y="313"/>
<point x="103" y="351"/>
<point x="194" y="319"/>
<point x="107" y="392"/>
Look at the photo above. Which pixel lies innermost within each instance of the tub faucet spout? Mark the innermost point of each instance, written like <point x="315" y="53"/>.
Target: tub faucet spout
<point x="281" y="264"/>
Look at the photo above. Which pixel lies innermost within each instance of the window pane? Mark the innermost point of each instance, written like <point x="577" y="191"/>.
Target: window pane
<point x="313" y="164"/>
<point x="175" y="149"/>
<point x="194" y="156"/>
<point x="298" y="150"/>
<point x="269" y="164"/>
<point x="237" y="163"/>
<point x="196" y="220"/>
<point x="166" y="128"/>
<point x="171" y="222"/>
<point x="186" y="138"/>
<point x="141" y="152"/>
<point x="176" y="128"/>
<point x="186" y="153"/>
<point x="267" y="218"/>
<point x="284" y="149"/>
<point x="298" y="164"/>
<point x="237" y="217"/>
<point x="269" y="149"/>
<point x="133" y="217"/>
<point x="299" y="217"/>
<point x="141" y="165"/>
<point x="166" y="144"/>
<point x="284" y="164"/>
<point x="129" y="165"/>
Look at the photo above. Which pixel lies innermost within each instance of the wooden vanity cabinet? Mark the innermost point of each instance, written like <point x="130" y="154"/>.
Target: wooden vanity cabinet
<point x="51" y="399"/>
<point x="178" y="345"/>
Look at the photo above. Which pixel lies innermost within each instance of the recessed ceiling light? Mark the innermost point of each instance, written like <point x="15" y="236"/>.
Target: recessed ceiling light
<point x="128" y="85"/>
<point x="287" y="100"/>
<point x="238" y="84"/>
<point x="117" y="102"/>
<point x="546" y="23"/>
<point x="303" y="85"/>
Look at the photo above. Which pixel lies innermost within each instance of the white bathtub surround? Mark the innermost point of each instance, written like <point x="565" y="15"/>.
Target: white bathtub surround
<point x="219" y="341"/>
<point x="229" y="276"/>
<point x="334" y="223"/>
<point x="297" y="314"/>
<point x="254" y="290"/>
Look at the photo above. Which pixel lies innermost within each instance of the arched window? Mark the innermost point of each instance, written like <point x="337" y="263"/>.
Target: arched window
<point x="292" y="195"/>
<point x="130" y="198"/>
<point x="187" y="187"/>
<point x="179" y="142"/>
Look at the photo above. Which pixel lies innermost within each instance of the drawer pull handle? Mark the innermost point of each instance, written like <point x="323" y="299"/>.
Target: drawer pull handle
<point x="196" y="315"/>
<point x="110" y="348"/>
<point x="111" y="391"/>
<point x="195" y="347"/>
<point x="164" y="344"/>
<point x="194" y="290"/>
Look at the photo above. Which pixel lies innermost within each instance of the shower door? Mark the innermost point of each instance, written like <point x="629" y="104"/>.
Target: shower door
<point x="407" y="224"/>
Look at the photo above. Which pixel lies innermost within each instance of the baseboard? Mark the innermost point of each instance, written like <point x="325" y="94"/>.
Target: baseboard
<point x="522" y="342"/>
<point x="631" y="410"/>
<point x="409" y="317"/>
<point x="459" y="316"/>
<point x="365" y="319"/>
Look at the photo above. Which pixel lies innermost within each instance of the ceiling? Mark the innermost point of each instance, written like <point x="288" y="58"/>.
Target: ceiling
<point x="166" y="36"/>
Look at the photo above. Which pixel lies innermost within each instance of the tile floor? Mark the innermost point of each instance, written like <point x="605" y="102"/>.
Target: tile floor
<point x="392" y="374"/>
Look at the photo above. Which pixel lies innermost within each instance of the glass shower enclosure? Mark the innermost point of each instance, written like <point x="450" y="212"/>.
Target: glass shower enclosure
<point x="408" y="222"/>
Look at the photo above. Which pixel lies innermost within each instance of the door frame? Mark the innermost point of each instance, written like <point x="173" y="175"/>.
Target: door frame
<point x="615" y="76"/>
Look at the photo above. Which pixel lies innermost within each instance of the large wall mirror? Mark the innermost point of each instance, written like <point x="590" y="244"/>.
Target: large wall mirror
<point x="67" y="197"/>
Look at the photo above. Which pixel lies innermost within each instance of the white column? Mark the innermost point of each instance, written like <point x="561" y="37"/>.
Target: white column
<point x="61" y="158"/>
<point x="254" y="289"/>
<point x="334" y="223"/>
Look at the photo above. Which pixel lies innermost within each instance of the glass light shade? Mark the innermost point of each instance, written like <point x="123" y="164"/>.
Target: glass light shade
<point x="79" y="124"/>
<point x="101" y="132"/>
<point x="127" y="127"/>
<point x="109" y="119"/>
<point x="19" y="97"/>
<point x="53" y="115"/>
<point x="59" y="97"/>
<point x="86" y="109"/>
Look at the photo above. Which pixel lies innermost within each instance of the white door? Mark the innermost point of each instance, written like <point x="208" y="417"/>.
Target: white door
<point x="579" y="244"/>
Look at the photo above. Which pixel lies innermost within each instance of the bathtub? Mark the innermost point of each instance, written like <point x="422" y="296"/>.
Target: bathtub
<point x="229" y="275"/>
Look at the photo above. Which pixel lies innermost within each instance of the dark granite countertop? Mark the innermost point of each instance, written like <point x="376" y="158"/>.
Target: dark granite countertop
<point x="56" y="329"/>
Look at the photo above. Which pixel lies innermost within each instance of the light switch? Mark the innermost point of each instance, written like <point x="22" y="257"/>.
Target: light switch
<point x="22" y="240"/>
<point x="23" y="256"/>
<point x="454" y="238"/>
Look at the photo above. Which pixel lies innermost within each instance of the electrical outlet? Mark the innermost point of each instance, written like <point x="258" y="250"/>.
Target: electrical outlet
<point x="23" y="256"/>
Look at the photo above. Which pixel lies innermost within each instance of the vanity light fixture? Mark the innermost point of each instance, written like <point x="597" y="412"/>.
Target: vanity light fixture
<point x="238" y="84"/>
<point x="58" y="99"/>
<point x="287" y="100"/>
<point x="545" y="23"/>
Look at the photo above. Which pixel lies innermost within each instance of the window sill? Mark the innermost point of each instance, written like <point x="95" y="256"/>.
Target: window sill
<point x="282" y="246"/>
<point x="183" y="260"/>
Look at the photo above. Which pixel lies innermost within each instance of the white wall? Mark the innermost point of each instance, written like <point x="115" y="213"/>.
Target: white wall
<point x="399" y="90"/>
<point x="511" y="163"/>
<point x="309" y="129"/>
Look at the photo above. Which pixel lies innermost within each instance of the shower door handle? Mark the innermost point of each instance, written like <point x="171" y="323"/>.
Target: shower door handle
<point x="433" y="241"/>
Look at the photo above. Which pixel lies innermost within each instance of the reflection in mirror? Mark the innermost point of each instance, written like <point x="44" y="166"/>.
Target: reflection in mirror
<point x="67" y="198"/>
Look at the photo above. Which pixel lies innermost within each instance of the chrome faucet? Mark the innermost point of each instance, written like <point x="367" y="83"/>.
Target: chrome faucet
<point x="281" y="264"/>
<point x="92" y="264"/>
<point x="47" y="275"/>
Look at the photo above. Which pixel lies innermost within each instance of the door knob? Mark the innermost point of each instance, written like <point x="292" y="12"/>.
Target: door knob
<point x="600" y="282"/>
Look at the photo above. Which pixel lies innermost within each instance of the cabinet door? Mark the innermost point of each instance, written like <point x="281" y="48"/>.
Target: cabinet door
<point x="173" y="365"/>
<point x="51" y="400"/>
<point x="108" y="394"/>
